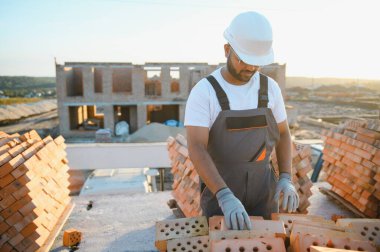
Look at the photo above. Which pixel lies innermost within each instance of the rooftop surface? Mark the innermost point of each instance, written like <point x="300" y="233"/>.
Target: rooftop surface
<point x="126" y="221"/>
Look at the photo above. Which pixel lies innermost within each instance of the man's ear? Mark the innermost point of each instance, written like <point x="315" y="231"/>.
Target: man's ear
<point x="227" y="50"/>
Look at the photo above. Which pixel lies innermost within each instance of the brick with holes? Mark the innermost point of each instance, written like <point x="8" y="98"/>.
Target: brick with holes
<point x="367" y="228"/>
<point x="325" y="249"/>
<point x="288" y="219"/>
<point x="240" y="234"/>
<point x="71" y="237"/>
<point x="300" y="229"/>
<point x="255" y="244"/>
<point x="179" y="228"/>
<point x="199" y="243"/>
<point x="303" y="243"/>
<point x="266" y="226"/>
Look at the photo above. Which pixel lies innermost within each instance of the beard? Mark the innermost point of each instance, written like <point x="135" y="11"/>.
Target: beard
<point x="243" y="75"/>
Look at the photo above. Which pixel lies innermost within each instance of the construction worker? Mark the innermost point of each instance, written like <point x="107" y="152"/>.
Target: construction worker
<point x="234" y="118"/>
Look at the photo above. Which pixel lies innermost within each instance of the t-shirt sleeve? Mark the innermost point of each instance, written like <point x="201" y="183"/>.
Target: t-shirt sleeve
<point x="279" y="111"/>
<point x="197" y="111"/>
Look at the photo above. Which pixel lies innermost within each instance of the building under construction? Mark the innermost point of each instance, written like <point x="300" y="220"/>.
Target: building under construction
<point x="99" y="95"/>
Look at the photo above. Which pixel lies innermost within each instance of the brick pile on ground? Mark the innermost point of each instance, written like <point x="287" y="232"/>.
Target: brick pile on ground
<point x="33" y="189"/>
<point x="301" y="166"/>
<point x="352" y="162"/>
<point x="285" y="232"/>
<point x="186" y="187"/>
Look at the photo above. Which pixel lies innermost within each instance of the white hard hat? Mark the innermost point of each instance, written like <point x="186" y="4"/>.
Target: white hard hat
<point x="250" y="35"/>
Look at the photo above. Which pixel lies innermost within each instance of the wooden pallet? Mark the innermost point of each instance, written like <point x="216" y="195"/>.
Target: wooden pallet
<point x="342" y="201"/>
<point x="57" y="229"/>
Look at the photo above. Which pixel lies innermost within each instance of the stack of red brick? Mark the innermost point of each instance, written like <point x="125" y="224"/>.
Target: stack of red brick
<point x="301" y="166"/>
<point x="186" y="188"/>
<point x="352" y="162"/>
<point x="33" y="189"/>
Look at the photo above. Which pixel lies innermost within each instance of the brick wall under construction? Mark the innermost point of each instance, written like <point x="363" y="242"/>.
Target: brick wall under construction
<point x="34" y="190"/>
<point x="186" y="187"/>
<point x="352" y="162"/>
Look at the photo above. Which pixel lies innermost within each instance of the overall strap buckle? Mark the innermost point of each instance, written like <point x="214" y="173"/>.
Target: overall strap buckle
<point x="263" y="98"/>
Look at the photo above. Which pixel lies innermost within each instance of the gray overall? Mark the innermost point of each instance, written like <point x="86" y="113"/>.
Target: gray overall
<point x="240" y="144"/>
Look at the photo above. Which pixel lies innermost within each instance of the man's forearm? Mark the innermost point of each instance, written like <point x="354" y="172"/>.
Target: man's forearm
<point x="206" y="168"/>
<point x="284" y="152"/>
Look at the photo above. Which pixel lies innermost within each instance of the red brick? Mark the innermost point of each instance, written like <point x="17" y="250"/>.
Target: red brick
<point x="6" y="247"/>
<point x="365" y="138"/>
<point x="348" y="147"/>
<point x="16" y="217"/>
<point x="6" y="180"/>
<point x="12" y="164"/>
<point x="3" y="227"/>
<point x="16" y="240"/>
<point x="368" y="164"/>
<point x="29" y="229"/>
<point x="333" y="142"/>
<point x="6" y="201"/>
<point x="17" y="149"/>
<point x="4" y="149"/>
<point x="369" y="133"/>
<point x="362" y="153"/>
<point x="376" y="160"/>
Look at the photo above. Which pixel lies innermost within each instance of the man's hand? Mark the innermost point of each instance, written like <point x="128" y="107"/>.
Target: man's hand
<point x="234" y="212"/>
<point x="290" y="200"/>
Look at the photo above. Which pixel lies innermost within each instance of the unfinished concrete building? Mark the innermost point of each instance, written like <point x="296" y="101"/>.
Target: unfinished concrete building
<point x="99" y="95"/>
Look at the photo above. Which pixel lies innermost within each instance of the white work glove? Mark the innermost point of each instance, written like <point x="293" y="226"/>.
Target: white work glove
<point x="290" y="199"/>
<point x="234" y="212"/>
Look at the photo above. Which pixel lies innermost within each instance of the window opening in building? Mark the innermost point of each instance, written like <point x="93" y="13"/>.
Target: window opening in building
<point x="121" y="80"/>
<point x="153" y="81"/>
<point x="74" y="81"/>
<point x="98" y="80"/>
<point x="175" y="75"/>
<point x="86" y="117"/>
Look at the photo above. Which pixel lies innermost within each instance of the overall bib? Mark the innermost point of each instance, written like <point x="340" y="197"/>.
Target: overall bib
<point x="240" y="144"/>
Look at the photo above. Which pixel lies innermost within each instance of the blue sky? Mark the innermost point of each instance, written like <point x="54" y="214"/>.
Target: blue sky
<point x="322" y="38"/>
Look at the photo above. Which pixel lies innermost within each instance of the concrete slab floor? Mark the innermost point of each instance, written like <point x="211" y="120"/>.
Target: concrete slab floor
<point x="126" y="221"/>
<point x="117" y="222"/>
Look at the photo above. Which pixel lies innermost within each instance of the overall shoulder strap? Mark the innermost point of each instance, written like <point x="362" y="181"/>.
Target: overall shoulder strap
<point x="263" y="92"/>
<point x="220" y="94"/>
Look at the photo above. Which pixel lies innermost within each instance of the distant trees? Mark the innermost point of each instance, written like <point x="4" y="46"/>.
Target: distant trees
<point x="25" y="86"/>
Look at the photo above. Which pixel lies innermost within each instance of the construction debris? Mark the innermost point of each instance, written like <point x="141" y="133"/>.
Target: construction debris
<point x="186" y="185"/>
<point x="304" y="233"/>
<point x="34" y="194"/>
<point x="352" y="162"/>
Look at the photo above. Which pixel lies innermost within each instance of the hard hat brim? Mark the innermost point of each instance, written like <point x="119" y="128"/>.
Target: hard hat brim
<point x="251" y="58"/>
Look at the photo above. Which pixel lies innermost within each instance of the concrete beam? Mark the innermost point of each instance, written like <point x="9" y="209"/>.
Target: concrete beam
<point x="117" y="155"/>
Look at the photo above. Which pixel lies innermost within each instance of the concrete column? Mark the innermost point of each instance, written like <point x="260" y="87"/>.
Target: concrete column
<point x="133" y="119"/>
<point x="141" y="115"/>
<point x="63" y="113"/>
<point x="107" y="83"/>
<point x="182" y="112"/>
<point x="138" y="87"/>
<point x="60" y="83"/>
<point x="109" y="120"/>
<point x="184" y="75"/>
<point x="64" y="121"/>
<point x="165" y="81"/>
<point x="88" y="83"/>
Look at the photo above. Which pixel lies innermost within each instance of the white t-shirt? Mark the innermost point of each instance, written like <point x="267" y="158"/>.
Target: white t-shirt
<point x="203" y="107"/>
